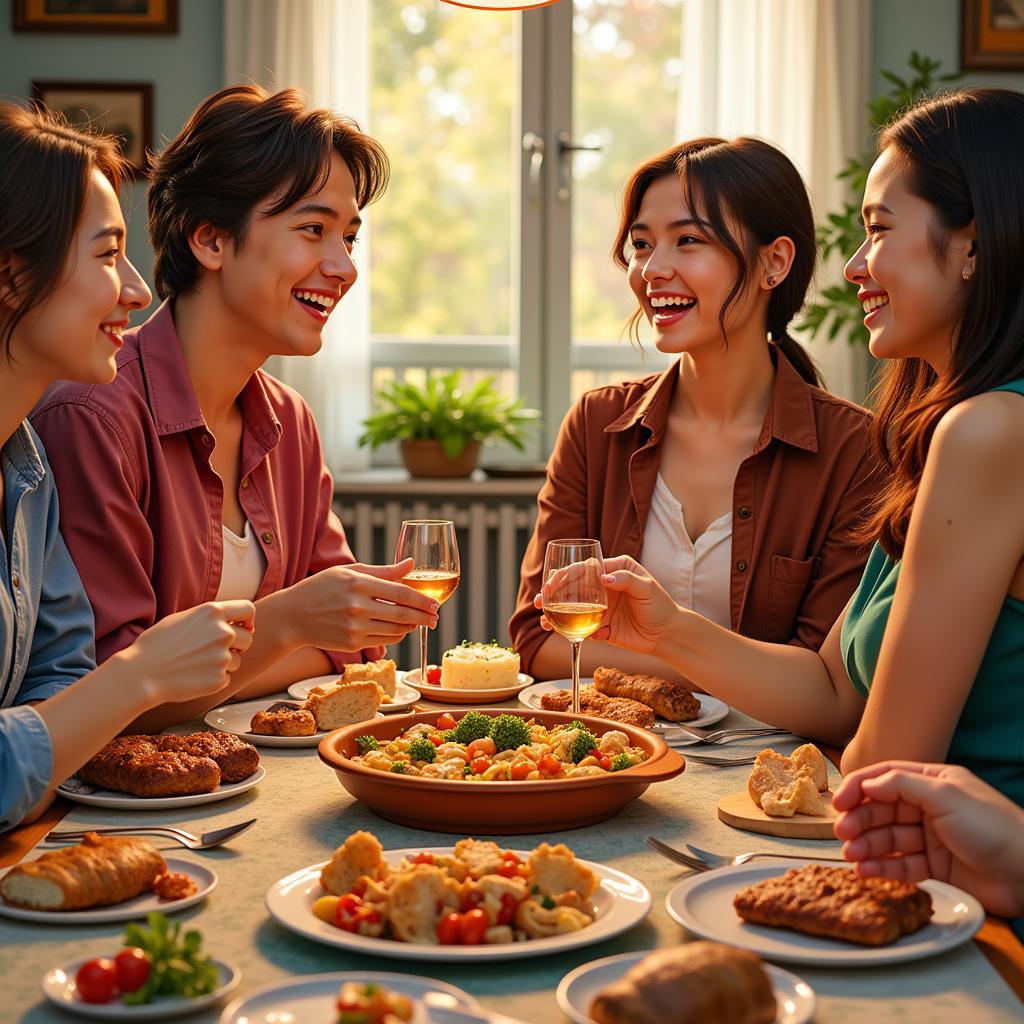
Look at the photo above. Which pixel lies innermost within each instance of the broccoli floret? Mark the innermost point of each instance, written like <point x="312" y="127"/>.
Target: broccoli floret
<point x="421" y="749"/>
<point x="509" y="732"/>
<point x="399" y="768"/>
<point x="365" y="743"/>
<point x="620" y="762"/>
<point x="467" y="771"/>
<point x="448" y="736"/>
<point x="583" y="744"/>
<point x="578" y="725"/>
<point x="548" y="903"/>
<point x="474" y="725"/>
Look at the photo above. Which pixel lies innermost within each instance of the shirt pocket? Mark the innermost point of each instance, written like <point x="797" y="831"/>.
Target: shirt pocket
<point x="787" y="585"/>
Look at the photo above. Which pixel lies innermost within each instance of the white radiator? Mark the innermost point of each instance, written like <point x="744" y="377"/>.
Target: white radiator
<point x="493" y="524"/>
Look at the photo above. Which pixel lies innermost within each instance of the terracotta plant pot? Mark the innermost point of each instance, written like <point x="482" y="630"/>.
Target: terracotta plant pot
<point x="427" y="458"/>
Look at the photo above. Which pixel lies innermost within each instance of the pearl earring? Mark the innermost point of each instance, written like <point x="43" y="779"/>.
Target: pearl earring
<point x="966" y="273"/>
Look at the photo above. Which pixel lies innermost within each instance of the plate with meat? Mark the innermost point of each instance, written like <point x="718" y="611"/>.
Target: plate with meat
<point x="293" y="723"/>
<point x="158" y="772"/>
<point x="801" y="912"/>
<point x="649" y="702"/>
<point x="103" y="878"/>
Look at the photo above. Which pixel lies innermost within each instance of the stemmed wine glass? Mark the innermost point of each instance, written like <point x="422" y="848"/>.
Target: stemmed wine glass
<point x="432" y="546"/>
<point x="573" y="599"/>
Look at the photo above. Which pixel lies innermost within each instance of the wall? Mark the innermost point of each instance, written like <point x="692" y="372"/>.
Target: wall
<point x="183" y="68"/>
<point x="932" y="27"/>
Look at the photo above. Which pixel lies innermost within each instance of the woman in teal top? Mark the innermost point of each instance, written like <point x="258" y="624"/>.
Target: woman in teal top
<point x="927" y="661"/>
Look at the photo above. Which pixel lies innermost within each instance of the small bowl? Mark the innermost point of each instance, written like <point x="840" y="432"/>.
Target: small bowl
<point x="496" y="808"/>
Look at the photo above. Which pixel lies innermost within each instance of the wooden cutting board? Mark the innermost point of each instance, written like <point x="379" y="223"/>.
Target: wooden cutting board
<point x="739" y="811"/>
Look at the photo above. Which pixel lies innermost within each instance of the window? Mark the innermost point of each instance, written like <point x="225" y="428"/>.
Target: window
<point x="510" y="137"/>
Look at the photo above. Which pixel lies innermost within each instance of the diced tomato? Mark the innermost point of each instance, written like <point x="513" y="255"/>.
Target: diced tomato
<point x="346" y="914"/>
<point x="479" y="765"/>
<point x="434" y="677"/>
<point x="446" y="721"/>
<point x="508" y="869"/>
<point x="473" y="927"/>
<point x="423" y="858"/>
<point x="449" y="929"/>
<point x="520" y="769"/>
<point x="471" y="900"/>
<point x="509" y="905"/>
<point x="482" y="746"/>
<point x="549" y="765"/>
<point x="436" y="738"/>
<point x="603" y="761"/>
<point x="511" y="855"/>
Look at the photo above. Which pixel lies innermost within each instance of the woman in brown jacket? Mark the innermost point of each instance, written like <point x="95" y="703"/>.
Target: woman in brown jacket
<point x="732" y="476"/>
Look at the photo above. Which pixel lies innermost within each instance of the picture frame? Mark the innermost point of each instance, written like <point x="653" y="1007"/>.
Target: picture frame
<point x="992" y="35"/>
<point x="124" y="109"/>
<point x="111" y="16"/>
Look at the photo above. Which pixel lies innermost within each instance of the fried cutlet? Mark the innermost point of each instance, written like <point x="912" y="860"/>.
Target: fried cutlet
<point x="835" y="903"/>
<point x="664" y="697"/>
<point x="136" y="765"/>
<point x="618" y="709"/>
<point x="284" y="722"/>
<point x="236" y="759"/>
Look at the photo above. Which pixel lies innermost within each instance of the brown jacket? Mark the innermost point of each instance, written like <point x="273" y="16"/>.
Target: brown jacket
<point x="810" y="476"/>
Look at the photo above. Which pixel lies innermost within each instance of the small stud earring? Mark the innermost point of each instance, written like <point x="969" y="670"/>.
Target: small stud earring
<point x="966" y="274"/>
<point x="771" y="280"/>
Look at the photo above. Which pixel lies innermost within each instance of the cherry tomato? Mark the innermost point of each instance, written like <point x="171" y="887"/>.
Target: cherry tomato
<point x="472" y="927"/>
<point x="603" y="761"/>
<point x="423" y="858"/>
<point x="521" y="769"/>
<point x="512" y="856"/>
<point x="132" y="969"/>
<point x="434" y="678"/>
<point x="479" y="765"/>
<point x="346" y="912"/>
<point x="96" y="981"/>
<point x="471" y="900"/>
<point x="509" y="905"/>
<point x="448" y="929"/>
<point x="549" y="765"/>
<point x="446" y="721"/>
<point x="482" y="746"/>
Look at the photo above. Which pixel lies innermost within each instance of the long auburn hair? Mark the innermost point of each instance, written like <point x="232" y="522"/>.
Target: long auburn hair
<point x="759" y="186"/>
<point x="962" y="153"/>
<point x="45" y="166"/>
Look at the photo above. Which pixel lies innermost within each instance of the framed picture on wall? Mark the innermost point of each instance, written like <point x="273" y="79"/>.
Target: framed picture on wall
<point x="95" y="15"/>
<point x="992" y="35"/>
<point x="123" y="109"/>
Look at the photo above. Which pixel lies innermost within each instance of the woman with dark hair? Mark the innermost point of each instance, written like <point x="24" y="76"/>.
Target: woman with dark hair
<point x="732" y="475"/>
<point x="66" y="289"/>
<point x="207" y="473"/>
<point x="933" y="639"/>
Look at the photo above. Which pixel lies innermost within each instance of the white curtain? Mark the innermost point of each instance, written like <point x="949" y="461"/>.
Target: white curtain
<point x="321" y="47"/>
<point x="793" y="72"/>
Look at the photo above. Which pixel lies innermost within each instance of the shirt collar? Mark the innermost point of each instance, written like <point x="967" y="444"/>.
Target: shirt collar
<point x="790" y="417"/>
<point x="23" y="454"/>
<point x="172" y="397"/>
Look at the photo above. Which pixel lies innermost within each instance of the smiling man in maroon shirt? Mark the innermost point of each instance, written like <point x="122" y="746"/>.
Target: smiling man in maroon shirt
<point x="195" y="475"/>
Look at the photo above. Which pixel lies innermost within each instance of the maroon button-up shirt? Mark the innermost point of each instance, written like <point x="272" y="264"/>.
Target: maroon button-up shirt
<point x="140" y="504"/>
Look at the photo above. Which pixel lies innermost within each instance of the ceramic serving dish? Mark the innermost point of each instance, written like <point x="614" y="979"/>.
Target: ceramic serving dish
<point x="496" y="808"/>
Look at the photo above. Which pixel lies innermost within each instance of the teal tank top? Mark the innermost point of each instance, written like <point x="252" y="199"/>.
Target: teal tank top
<point x="989" y="737"/>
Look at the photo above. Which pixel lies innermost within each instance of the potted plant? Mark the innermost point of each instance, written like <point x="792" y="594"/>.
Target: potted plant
<point x="441" y="427"/>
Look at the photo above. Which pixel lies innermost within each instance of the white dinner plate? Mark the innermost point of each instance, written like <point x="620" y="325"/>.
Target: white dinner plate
<point x="711" y="708"/>
<point x="794" y="998"/>
<point x="237" y="718"/>
<point x="620" y="900"/>
<point x="313" y="997"/>
<point x="59" y="988"/>
<point x="702" y="903"/>
<point x="75" y="790"/>
<point x="129" y="910"/>
<point x="404" y="698"/>
<point x="447" y="696"/>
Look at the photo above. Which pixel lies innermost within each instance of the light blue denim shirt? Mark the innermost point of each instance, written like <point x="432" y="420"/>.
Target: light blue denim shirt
<point x="46" y="623"/>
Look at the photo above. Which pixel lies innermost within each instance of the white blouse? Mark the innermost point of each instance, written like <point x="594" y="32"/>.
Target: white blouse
<point x="696" y="575"/>
<point x="243" y="568"/>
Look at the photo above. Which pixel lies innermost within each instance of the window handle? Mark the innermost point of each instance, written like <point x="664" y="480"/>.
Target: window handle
<point x="534" y="145"/>
<point x="566" y="148"/>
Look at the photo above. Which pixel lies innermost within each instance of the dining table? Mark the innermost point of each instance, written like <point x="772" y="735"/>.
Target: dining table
<point x="303" y="815"/>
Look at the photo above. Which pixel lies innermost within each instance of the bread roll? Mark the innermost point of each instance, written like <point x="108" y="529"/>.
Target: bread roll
<point x="695" y="983"/>
<point x="99" y="871"/>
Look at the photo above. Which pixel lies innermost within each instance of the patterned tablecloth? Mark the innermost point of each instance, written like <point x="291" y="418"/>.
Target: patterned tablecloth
<point x="304" y="814"/>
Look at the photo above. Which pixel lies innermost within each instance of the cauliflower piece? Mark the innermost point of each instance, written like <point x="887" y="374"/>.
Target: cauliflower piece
<point x="555" y="870"/>
<point x="480" y="858"/>
<point x="446" y="770"/>
<point x="417" y="901"/>
<point x="379" y="760"/>
<point x="613" y="742"/>
<point x="360" y="854"/>
<point x="576" y="771"/>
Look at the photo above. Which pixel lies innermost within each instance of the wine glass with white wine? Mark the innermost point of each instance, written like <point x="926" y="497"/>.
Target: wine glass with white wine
<point x="432" y="546"/>
<point x="573" y="599"/>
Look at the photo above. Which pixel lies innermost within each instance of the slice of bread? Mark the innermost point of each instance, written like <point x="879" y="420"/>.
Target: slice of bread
<point x="381" y="672"/>
<point x="343" y="703"/>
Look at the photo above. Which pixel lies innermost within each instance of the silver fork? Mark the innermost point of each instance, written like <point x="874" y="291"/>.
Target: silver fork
<point x="207" y="841"/>
<point x="717" y="735"/>
<point x="717" y="761"/>
<point x="717" y="860"/>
